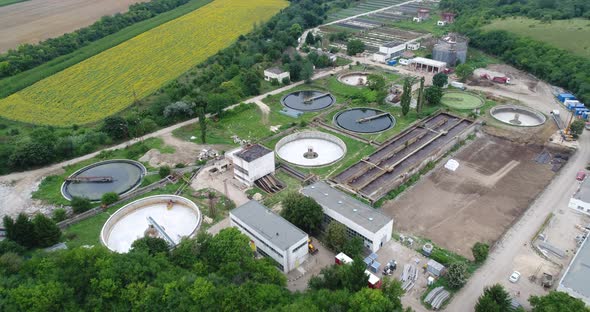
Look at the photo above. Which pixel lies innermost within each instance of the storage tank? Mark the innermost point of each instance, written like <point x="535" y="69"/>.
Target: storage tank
<point x="451" y="49"/>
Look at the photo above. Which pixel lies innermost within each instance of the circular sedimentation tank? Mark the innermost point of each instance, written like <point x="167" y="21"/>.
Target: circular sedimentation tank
<point x="311" y="149"/>
<point x="462" y="100"/>
<point x="308" y="100"/>
<point x="519" y="116"/>
<point x="354" y="79"/>
<point x="364" y="120"/>
<point x="118" y="175"/>
<point x="169" y="217"/>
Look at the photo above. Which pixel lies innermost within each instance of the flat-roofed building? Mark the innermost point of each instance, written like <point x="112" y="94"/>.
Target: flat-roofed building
<point x="428" y="65"/>
<point x="252" y="163"/>
<point x="576" y="277"/>
<point x="360" y="219"/>
<point x="581" y="199"/>
<point x="276" y="73"/>
<point x="271" y="234"/>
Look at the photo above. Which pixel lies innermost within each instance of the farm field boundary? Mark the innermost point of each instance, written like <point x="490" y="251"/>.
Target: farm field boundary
<point x="22" y="80"/>
<point x="110" y="81"/>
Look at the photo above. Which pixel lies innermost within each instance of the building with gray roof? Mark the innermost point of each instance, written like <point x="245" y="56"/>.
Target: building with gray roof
<point x="361" y="220"/>
<point x="576" y="277"/>
<point x="581" y="199"/>
<point x="273" y="236"/>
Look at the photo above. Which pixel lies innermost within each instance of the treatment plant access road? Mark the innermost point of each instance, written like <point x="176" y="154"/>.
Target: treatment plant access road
<point x="16" y="188"/>
<point x="500" y="262"/>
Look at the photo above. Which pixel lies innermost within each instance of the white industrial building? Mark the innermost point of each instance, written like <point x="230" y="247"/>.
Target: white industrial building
<point x="576" y="276"/>
<point x="360" y="219"/>
<point x="271" y="235"/>
<point x="428" y="65"/>
<point x="252" y="162"/>
<point x="413" y="46"/>
<point x="276" y="73"/>
<point x="581" y="199"/>
<point x="380" y="57"/>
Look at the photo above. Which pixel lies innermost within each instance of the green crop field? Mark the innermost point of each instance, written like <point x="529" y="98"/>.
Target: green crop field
<point x="12" y="84"/>
<point x="110" y="81"/>
<point x="572" y="35"/>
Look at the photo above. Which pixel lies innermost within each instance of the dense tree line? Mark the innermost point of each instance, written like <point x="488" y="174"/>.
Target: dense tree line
<point x="208" y="273"/>
<point x="538" y="9"/>
<point x="27" y="56"/>
<point x="557" y="66"/>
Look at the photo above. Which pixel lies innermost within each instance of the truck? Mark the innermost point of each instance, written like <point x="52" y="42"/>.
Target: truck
<point x="496" y="79"/>
<point x="458" y="85"/>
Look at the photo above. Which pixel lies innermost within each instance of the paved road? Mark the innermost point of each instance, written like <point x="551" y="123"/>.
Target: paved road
<point x="501" y="259"/>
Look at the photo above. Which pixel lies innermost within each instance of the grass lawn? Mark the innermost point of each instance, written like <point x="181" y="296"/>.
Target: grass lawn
<point x="572" y="34"/>
<point x="50" y="188"/>
<point x="291" y="185"/>
<point x="462" y="100"/>
<point x="9" y="2"/>
<point x="22" y="80"/>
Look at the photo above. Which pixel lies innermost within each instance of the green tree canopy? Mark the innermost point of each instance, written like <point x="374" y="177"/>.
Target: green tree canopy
<point x="433" y="95"/>
<point x="303" y="211"/>
<point x="406" y="96"/>
<point x="457" y="274"/>
<point x="46" y="231"/>
<point x="557" y="301"/>
<point x="355" y="46"/>
<point x="440" y="80"/>
<point x="494" y="298"/>
<point x="464" y="71"/>
<point x="480" y="251"/>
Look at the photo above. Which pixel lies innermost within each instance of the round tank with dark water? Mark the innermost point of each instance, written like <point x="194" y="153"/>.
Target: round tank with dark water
<point x="364" y="120"/>
<point x="119" y="176"/>
<point x="308" y="100"/>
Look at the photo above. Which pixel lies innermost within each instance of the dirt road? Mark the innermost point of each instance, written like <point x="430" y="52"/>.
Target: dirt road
<point x="501" y="260"/>
<point x="37" y="20"/>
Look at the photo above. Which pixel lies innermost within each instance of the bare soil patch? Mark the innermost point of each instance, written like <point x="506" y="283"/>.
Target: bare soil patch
<point x="494" y="184"/>
<point x="37" y="20"/>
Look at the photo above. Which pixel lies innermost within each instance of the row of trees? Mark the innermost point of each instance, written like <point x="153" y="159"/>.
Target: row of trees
<point x="27" y="56"/>
<point x="538" y="9"/>
<point x="430" y="95"/>
<point x="208" y="273"/>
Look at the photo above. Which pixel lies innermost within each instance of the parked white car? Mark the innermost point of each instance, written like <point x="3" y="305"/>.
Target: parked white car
<point x="514" y="277"/>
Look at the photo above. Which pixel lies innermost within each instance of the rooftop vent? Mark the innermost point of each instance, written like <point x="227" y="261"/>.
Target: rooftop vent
<point x="355" y="210"/>
<point x="326" y="194"/>
<point x="340" y="202"/>
<point x="371" y="219"/>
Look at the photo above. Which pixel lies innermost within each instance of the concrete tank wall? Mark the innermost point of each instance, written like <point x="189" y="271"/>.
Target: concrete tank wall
<point x="450" y="52"/>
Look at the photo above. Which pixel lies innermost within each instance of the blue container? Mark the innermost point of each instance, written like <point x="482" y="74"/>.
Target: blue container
<point x="391" y="62"/>
<point x="579" y="111"/>
<point x="565" y="96"/>
<point x="585" y="115"/>
<point x="575" y="106"/>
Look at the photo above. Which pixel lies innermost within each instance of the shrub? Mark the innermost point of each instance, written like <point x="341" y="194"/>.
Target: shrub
<point x="59" y="215"/>
<point x="80" y="204"/>
<point x="480" y="251"/>
<point x="46" y="231"/>
<point x="164" y="171"/>
<point x="457" y="274"/>
<point x="8" y="245"/>
<point x="109" y="198"/>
